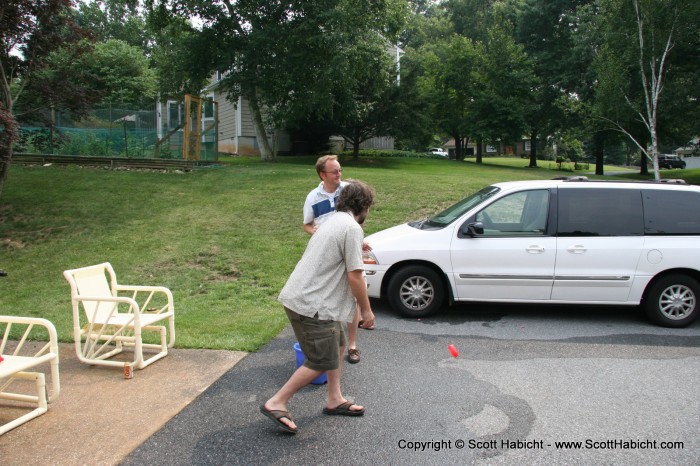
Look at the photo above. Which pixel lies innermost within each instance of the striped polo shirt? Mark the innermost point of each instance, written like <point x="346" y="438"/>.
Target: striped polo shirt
<point x="319" y="204"/>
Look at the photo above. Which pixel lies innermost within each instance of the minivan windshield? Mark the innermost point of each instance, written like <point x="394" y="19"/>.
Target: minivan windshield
<point x="455" y="211"/>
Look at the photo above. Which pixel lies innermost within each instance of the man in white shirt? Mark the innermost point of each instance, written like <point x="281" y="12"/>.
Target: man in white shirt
<point x="320" y="202"/>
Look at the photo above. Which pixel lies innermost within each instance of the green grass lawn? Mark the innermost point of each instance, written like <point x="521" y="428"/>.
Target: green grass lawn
<point x="224" y="239"/>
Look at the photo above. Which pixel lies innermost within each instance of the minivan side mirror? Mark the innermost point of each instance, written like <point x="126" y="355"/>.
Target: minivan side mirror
<point x="473" y="229"/>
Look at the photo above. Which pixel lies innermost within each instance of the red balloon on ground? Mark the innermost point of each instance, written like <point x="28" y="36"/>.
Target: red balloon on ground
<point x="453" y="350"/>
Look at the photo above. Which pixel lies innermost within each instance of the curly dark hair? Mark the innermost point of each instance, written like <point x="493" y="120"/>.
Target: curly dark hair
<point x="356" y="197"/>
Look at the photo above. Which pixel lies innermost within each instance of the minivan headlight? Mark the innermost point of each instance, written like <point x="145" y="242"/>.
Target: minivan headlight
<point x="369" y="258"/>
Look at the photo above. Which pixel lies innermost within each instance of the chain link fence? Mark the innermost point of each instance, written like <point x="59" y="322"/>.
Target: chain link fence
<point x="113" y="131"/>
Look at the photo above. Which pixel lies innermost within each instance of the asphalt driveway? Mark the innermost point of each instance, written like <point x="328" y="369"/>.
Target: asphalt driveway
<point x="620" y="390"/>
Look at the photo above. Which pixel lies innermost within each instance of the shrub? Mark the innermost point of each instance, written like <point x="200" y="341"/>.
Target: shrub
<point x="39" y="141"/>
<point x="390" y="153"/>
<point x="85" y="143"/>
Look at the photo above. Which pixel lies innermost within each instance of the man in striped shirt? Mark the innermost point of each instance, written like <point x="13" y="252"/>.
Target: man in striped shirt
<point x="320" y="202"/>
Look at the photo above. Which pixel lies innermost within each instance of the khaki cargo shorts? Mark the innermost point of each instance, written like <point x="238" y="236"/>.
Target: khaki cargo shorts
<point x="320" y="340"/>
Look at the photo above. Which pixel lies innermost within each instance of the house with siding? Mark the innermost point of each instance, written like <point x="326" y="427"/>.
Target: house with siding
<point x="236" y="127"/>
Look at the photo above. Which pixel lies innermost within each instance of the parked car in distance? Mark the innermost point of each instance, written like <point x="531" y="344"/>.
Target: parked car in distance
<point x="565" y="241"/>
<point x="439" y="151"/>
<point x="670" y="161"/>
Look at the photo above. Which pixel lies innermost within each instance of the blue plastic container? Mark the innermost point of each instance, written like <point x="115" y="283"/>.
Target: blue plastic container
<point x="321" y="379"/>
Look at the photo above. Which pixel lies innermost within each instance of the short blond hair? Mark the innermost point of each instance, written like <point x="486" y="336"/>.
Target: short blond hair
<point x="321" y="163"/>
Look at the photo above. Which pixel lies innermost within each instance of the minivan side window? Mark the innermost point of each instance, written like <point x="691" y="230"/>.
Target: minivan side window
<point x="599" y="212"/>
<point x="520" y="214"/>
<point x="671" y="212"/>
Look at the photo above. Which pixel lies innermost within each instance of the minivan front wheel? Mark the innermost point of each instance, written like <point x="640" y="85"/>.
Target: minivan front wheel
<point x="672" y="301"/>
<point x="416" y="291"/>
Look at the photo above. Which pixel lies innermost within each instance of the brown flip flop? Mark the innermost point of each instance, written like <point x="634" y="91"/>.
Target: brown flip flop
<point x="353" y="355"/>
<point x="359" y="325"/>
<point x="277" y="415"/>
<point x="343" y="409"/>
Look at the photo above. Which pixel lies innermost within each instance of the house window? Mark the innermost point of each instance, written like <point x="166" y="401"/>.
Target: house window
<point x="208" y="118"/>
<point x="174" y="114"/>
<point x="527" y="146"/>
<point x="208" y="108"/>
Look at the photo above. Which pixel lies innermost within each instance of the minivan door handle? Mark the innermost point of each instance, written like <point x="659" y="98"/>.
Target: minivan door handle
<point x="534" y="249"/>
<point x="576" y="249"/>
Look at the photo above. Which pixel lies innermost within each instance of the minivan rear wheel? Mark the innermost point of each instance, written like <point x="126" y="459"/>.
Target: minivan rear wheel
<point x="416" y="291"/>
<point x="672" y="301"/>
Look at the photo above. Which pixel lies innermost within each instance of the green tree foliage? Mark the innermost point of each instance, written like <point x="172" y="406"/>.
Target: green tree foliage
<point x="476" y="84"/>
<point x="367" y="101"/>
<point x="31" y="32"/>
<point x="174" y="41"/>
<point x="284" y="58"/>
<point x="448" y="86"/>
<point x="504" y="81"/>
<point x="427" y="25"/>
<point x="115" y="19"/>
<point x="471" y="18"/>
<point x="414" y="126"/>
<point x="548" y="30"/>
<point x="126" y="77"/>
<point x="63" y="83"/>
<point x="647" y="85"/>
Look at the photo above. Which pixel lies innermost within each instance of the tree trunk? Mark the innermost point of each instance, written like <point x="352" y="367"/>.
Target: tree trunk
<point x="643" y="167"/>
<point x="533" y="149"/>
<point x="599" y="152"/>
<point x="5" y="158"/>
<point x="459" y="148"/>
<point x="266" y="152"/>
<point x="654" y="152"/>
<point x="8" y="135"/>
<point x="479" y="150"/>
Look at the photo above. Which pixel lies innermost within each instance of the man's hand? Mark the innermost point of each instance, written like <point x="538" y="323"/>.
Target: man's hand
<point x="310" y="228"/>
<point x="367" y="318"/>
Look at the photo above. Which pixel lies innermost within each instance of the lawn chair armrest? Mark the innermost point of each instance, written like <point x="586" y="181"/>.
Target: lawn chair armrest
<point x="109" y="299"/>
<point x="48" y="353"/>
<point x="151" y="290"/>
<point x="161" y="289"/>
<point x="53" y="336"/>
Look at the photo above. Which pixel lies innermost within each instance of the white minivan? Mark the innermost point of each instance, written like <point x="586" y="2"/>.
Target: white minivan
<point x="551" y="241"/>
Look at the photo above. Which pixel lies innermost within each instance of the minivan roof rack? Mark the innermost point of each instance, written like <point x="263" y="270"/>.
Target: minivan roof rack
<point x="573" y="178"/>
<point x="672" y="181"/>
<point x="581" y="178"/>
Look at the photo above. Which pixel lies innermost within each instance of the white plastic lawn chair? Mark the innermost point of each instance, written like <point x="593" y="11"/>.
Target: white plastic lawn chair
<point x="115" y="316"/>
<point x="21" y="362"/>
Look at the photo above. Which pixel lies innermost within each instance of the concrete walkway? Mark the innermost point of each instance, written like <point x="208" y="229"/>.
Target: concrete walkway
<point x="100" y="417"/>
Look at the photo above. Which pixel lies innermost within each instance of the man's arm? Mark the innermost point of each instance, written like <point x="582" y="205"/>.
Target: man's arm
<point x="310" y="228"/>
<point x="358" y="286"/>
